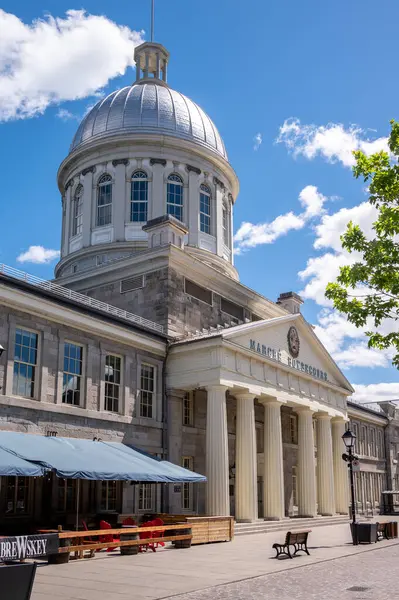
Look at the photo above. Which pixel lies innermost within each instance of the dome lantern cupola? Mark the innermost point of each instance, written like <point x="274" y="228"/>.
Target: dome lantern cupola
<point x="151" y="63"/>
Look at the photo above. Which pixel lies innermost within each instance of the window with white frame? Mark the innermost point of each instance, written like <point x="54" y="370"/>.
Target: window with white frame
<point x="72" y="376"/>
<point x="147" y="391"/>
<point x="205" y="209"/>
<point x="77" y="211"/>
<point x="293" y="429"/>
<point x="17" y="495"/>
<point x="187" y="488"/>
<point x="373" y="449"/>
<point x="174" y="197"/>
<point x="188" y="409"/>
<point x="294" y="487"/>
<point x="381" y="452"/>
<point x="66" y="495"/>
<point x="25" y="363"/>
<point x="104" y="200"/>
<point x="109" y="495"/>
<point x="112" y="376"/>
<point x="139" y="197"/>
<point x="226" y="225"/>
<point x="146" y="496"/>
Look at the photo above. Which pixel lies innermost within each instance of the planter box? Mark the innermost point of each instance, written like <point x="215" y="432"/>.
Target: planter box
<point x="16" y="581"/>
<point x="365" y="533"/>
<point x="205" y="530"/>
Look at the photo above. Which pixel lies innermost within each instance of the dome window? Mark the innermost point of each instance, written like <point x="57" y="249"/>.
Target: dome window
<point x="205" y="209"/>
<point x="104" y="201"/>
<point x="174" y="194"/>
<point x="139" y="197"/>
<point x="77" y="211"/>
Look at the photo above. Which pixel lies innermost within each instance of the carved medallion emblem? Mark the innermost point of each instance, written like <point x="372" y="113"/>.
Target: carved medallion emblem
<point x="293" y="341"/>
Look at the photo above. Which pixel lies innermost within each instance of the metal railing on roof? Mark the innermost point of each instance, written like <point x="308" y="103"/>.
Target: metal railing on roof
<point x="65" y="292"/>
<point x="369" y="405"/>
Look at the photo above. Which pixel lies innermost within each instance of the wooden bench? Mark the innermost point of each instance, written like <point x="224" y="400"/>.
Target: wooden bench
<point x="298" y="539"/>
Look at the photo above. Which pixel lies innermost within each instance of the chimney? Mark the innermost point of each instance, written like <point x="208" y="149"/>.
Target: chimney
<point x="291" y="302"/>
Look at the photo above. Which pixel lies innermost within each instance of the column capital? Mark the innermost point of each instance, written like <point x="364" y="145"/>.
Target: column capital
<point x="339" y="420"/>
<point x="216" y="388"/>
<point x="270" y="401"/>
<point x="245" y="396"/>
<point x="322" y="416"/>
<point x="305" y="410"/>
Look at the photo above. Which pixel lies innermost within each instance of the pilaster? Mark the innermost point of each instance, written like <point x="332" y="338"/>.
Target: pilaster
<point x="157" y="207"/>
<point x="87" y="207"/>
<point x="119" y="202"/>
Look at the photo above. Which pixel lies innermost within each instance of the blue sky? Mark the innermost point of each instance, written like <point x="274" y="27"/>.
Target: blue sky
<point x="313" y="79"/>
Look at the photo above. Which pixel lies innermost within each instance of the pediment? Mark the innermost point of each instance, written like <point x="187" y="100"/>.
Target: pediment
<point x="289" y="340"/>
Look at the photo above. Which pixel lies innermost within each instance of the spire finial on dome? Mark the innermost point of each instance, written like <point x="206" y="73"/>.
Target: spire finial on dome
<point x="152" y="19"/>
<point x="151" y="63"/>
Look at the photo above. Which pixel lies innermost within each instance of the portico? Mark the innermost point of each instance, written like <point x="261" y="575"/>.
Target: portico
<point x="229" y="366"/>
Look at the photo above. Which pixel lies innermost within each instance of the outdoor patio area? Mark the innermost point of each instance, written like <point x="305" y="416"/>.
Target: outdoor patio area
<point x="169" y="571"/>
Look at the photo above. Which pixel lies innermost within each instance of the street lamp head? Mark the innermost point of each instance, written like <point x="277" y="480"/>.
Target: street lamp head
<point x="1" y="350"/>
<point x="349" y="439"/>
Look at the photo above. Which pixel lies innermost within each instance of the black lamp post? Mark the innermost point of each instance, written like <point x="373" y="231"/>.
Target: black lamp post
<point x="349" y="439"/>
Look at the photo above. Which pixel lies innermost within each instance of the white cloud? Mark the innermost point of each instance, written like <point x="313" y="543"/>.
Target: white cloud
<point x="250" y="235"/>
<point x="66" y="115"/>
<point x="374" y="392"/>
<point x="38" y="255"/>
<point x="56" y="59"/>
<point x="257" y="141"/>
<point x="332" y="142"/>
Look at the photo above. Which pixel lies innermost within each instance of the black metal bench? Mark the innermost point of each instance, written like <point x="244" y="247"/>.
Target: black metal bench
<point x="297" y="539"/>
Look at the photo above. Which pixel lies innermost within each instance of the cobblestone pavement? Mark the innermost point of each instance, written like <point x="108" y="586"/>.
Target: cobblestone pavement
<point x="372" y="575"/>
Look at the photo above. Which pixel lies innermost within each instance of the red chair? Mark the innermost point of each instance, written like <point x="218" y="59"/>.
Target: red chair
<point x="158" y="534"/>
<point x="146" y="535"/>
<point x="107" y="538"/>
<point x="129" y="521"/>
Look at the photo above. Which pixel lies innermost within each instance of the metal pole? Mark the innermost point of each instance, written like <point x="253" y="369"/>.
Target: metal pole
<point x="353" y="506"/>
<point x="77" y="504"/>
<point x="152" y="19"/>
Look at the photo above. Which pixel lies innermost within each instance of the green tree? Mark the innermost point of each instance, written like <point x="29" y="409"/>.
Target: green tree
<point x="377" y="272"/>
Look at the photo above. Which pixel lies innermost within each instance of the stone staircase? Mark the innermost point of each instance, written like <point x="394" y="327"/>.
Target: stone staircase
<point x="261" y="526"/>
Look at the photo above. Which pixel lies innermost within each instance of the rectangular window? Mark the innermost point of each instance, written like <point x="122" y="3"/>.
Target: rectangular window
<point x="146" y="496"/>
<point x="139" y="201"/>
<point x="72" y="378"/>
<point x="294" y="487"/>
<point x="293" y="429"/>
<point x="381" y="452"/>
<point x="17" y="495"/>
<point x="188" y="409"/>
<point x="25" y="362"/>
<point x="147" y="391"/>
<point x="205" y="213"/>
<point x="66" y="497"/>
<point x="112" y="378"/>
<point x="197" y="291"/>
<point x="187" y="489"/>
<point x="232" y="309"/>
<point x="109" y="495"/>
<point x="373" y="449"/>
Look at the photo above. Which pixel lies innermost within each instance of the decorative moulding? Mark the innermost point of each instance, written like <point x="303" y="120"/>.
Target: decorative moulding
<point x="193" y="169"/>
<point x="68" y="184"/>
<point x="158" y="161"/>
<point x="88" y="170"/>
<point x="217" y="181"/>
<point x="120" y="161"/>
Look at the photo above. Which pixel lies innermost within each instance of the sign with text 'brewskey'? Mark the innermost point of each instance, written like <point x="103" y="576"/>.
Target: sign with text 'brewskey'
<point x="294" y="363"/>
<point x="28" y="546"/>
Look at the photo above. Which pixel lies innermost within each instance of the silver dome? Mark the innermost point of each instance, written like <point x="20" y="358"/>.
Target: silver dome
<point x="149" y="108"/>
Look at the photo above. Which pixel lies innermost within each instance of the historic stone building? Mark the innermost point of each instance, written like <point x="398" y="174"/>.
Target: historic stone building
<point x="147" y="336"/>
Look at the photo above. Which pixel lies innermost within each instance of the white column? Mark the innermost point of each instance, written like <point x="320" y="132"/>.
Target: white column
<point x="306" y="465"/>
<point x="157" y="207"/>
<point x="119" y="200"/>
<point x="340" y="468"/>
<point x="193" y="208"/>
<point x="273" y="474"/>
<point x="325" y="470"/>
<point x="87" y="205"/>
<point x="217" y="453"/>
<point x="246" y="467"/>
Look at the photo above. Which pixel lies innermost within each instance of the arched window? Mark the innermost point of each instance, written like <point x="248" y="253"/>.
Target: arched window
<point x="226" y="225"/>
<point x="139" y="197"/>
<point x="174" y="197"/>
<point x="77" y="211"/>
<point x="104" y="201"/>
<point x="205" y="209"/>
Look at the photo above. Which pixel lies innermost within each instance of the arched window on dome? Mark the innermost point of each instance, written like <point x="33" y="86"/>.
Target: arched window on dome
<point x="226" y="224"/>
<point x="174" y="197"/>
<point x="104" y="200"/>
<point x="205" y="209"/>
<point x="77" y="211"/>
<point x="139" y="197"/>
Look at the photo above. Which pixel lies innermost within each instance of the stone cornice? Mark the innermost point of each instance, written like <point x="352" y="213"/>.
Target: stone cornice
<point x="88" y="170"/>
<point x="192" y="169"/>
<point x="158" y="161"/>
<point x="120" y="161"/>
<point x="217" y="181"/>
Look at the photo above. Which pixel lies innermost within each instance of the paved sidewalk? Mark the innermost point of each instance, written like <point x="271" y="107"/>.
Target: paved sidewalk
<point x="170" y="572"/>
